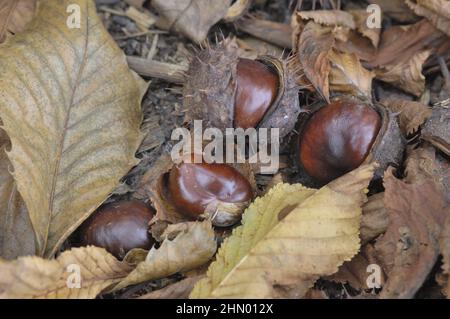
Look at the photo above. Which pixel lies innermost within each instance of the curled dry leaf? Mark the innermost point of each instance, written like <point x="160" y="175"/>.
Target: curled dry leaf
<point x="74" y="129"/>
<point x="288" y="239"/>
<point x="188" y="250"/>
<point x="329" y="17"/>
<point x="437" y="129"/>
<point x="355" y="272"/>
<point x="15" y="15"/>
<point x="193" y="18"/>
<point x="237" y="10"/>
<point x="179" y="290"/>
<point x="16" y="232"/>
<point x="406" y="75"/>
<point x="437" y="11"/>
<point x="349" y="76"/>
<point x="375" y="219"/>
<point x="411" y="114"/>
<point x="361" y="17"/>
<point x="34" y="277"/>
<point x="417" y="210"/>
<point x="314" y="47"/>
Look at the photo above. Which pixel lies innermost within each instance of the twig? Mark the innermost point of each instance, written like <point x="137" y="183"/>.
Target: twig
<point x="269" y="31"/>
<point x="169" y="72"/>
<point x="140" y="34"/>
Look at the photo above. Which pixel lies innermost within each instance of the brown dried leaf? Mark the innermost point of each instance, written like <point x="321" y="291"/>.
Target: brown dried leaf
<point x="396" y="9"/>
<point x="406" y="75"/>
<point x="179" y="290"/>
<point x="190" y="249"/>
<point x="437" y="11"/>
<point x="73" y="129"/>
<point x="354" y="272"/>
<point x="375" y="219"/>
<point x="193" y="18"/>
<point x="437" y="129"/>
<point x="15" y="15"/>
<point x="409" y="249"/>
<point x="34" y="277"/>
<point x="360" y="17"/>
<point x="400" y="43"/>
<point x="16" y="232"/>
<point x="445" y="252"/>
<point x="329" y="17"/>
<point x="237" y="10"/>
<point x="411" y="114"/>
<point x="314" y="47"/>
<point x="348" y="75"/>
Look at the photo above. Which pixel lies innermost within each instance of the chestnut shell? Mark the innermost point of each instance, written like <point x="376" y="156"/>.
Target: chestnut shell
<point x="386" y="149"/>
<point x="118" y="227"/>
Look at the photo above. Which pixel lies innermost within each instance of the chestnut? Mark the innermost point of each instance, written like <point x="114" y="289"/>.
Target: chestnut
<point x="218" y="190"/>
<point x="228" y="91"/>
<point x="257" y="88"/>
<point x="338" y="137"/>
<point x="118" y="227"/>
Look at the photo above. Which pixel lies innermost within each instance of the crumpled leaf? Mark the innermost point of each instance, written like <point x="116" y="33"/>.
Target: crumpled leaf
<point x="329" y="17"/>
<point x="360" y="17"/>
<point x="178" y="290"/>
<point x="437" y="11"/>
<point x="348" y="75"/>
<point x="16" y="232"/>
<point x="15" y="15"/>
<point x="411" y="114"/>
<point x="314" y="47"/>
<point x="375" y="219"/>
<point x="354" y="272"/>
<point x="188" y="250"/>
<point x="408" y="75"/>
<point x="73" y="125"/>
<point x="417" y="210"/>
<point x="34" y="277"/>
<point x="193" y="18"/>
<point x="288" y="239"/>
<point x="437" y="129"/>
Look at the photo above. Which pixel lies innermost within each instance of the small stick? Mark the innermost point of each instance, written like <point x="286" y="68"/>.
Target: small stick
<point x="269" y="31"/>
<point x="169" y="72"/>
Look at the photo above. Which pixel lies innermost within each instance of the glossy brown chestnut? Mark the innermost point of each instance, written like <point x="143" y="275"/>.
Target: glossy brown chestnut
<point x="257" y="88"/>
<point x="337" y="139"/>
<point x="192" y="187"/>
<point x="118" y="227"/>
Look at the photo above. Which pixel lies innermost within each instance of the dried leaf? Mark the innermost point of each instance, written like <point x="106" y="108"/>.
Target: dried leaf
<point x="179" y="290"/>
<point x="437" y="11"/>
<point x="329" y="17"/>
<point x="15" y="15"/>
<point x="348" y="75"/>
<point x="193" y="18"/>
<point x="396" y="9"/>
<point x="314" y="47"/>
<point x="190" y="249"/>
<point x="16" y="232"/>
<point x="360" y="17"/>
<point x="444" y="243"/>
<point x="437" y="129"/>
<point x="408" y="75"/>
<point x="288" y="239"/>
<point x="73" y="127"/>
<point x="411" y="114"/>
<point x="375" y="219"/>
<point x="237" y="10"/>
<point x="34" y="277"/>
<point x="409" y="249"/>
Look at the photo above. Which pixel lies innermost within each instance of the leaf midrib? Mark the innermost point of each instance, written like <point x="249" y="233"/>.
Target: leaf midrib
<point x="63" y="135"/>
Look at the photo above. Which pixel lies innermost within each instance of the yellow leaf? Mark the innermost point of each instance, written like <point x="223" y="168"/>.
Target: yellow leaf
<point x="71" y="108"/>
<point x="34" y="277"/>
<point x="271" y="258"/>
<point x="191" y="248"/>
<point x="15" y="15"/>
